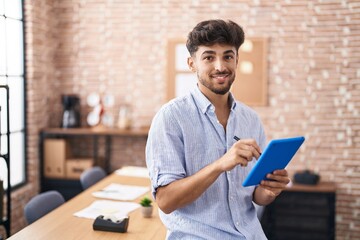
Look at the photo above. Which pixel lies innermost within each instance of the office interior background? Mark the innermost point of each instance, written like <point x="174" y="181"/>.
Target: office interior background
<point x="120" y="47"/>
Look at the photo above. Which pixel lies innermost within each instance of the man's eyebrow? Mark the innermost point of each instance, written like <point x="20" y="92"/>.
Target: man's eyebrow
<point x="208" y="52"/>
<point x="213" y="52"/>
<point x="229" y="51"/>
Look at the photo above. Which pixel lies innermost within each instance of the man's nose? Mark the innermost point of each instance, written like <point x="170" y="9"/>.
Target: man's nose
<point x="219" y="65"/>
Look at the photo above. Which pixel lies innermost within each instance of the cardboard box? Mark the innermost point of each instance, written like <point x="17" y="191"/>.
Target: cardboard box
<point x="56" y="151"/>
<point x="76" y="166"/>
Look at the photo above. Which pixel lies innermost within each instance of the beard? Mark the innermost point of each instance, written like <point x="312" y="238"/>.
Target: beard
<point x="221" y="90"/>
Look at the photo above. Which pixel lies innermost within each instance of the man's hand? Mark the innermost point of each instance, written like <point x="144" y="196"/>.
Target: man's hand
<point x="279" y="181"/>
<point x="268" y="190"/>
<point x="242" y="152"/>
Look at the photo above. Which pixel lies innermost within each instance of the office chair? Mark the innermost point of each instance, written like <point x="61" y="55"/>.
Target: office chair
<point x="91" y="176"/>
<point x="42" y="204"/>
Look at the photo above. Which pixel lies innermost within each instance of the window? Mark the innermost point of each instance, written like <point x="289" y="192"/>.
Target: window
<point x="12" y="75"/>
<point x="180" y="78"/>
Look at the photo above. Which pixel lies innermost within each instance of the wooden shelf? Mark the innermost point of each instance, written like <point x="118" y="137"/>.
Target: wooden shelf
<point x="320" y="187"/>
<point x="94" y="134"/>
<point x="98" y="131"/>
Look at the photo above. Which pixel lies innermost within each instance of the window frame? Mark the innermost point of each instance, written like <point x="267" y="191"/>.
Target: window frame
<point x="23" y="77"/>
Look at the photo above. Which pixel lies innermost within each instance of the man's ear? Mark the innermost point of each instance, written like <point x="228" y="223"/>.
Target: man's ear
<point x="191" y="64"/>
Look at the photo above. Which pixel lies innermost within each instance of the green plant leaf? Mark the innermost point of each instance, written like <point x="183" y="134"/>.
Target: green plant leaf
<point x="145" y="202"/>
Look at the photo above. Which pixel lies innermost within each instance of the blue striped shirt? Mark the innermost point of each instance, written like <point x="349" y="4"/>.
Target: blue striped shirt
<point x="185" y="136"/>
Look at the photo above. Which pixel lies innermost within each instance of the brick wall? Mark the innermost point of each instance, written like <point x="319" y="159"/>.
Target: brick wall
<point x="119" y="47"/>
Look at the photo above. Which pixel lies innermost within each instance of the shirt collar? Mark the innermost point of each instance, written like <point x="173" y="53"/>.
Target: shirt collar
<point x="203" y="102"/>
<point x="232" y="101"/>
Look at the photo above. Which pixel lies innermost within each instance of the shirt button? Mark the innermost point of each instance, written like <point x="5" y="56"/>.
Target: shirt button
<point x="228" y="172"/>
<point x="237" y="223"/>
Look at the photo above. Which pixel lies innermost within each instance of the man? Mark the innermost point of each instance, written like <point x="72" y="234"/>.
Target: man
<point x="196" y="167"/>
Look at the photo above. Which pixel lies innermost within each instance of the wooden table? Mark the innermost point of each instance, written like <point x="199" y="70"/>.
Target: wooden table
<point x="61" y="224"/>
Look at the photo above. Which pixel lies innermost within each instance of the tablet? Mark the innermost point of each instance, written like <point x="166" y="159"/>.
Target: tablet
<point x="276" y="155"/>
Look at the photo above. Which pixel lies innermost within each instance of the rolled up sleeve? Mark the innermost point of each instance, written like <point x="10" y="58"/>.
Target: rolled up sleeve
<point x="164" y="151"/>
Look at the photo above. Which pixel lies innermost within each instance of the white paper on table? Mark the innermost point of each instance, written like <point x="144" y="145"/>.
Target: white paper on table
<point x="105" y="207"/>
<point x="133" y="171"/>
<point x="117" y="191"/>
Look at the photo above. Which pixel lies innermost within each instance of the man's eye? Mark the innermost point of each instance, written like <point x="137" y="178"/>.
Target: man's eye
<point x="208" y="58"/>
<point x="229" y="57"/>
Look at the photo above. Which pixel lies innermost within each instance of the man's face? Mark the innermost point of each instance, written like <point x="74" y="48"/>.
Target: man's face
<point x="215" y="67"/>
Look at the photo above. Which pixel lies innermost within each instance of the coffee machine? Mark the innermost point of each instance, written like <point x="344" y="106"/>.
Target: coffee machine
<point x="71" y="111"/>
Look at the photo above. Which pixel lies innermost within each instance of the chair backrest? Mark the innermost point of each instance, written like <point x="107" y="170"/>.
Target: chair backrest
<point x="42" y="204"/>
<point x="91" y="176"/>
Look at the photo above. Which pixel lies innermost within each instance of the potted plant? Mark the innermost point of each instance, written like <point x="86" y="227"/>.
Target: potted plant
<point x="146" y="207"/>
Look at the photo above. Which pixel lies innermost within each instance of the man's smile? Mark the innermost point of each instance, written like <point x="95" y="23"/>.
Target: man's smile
<point x="220" y="78"/>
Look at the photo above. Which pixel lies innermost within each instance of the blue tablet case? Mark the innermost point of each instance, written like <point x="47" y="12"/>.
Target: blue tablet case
<point x="276" y="155"/>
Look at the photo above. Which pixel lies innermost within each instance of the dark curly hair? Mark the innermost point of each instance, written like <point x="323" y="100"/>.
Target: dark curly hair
<point x="210" y="32"/>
